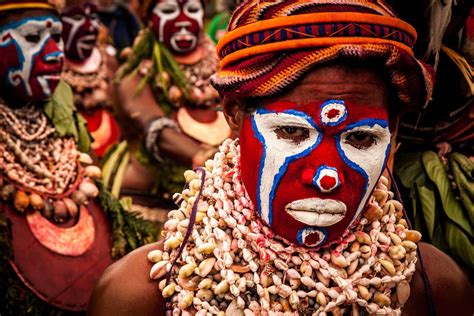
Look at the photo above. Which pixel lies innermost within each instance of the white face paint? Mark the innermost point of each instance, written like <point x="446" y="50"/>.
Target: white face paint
<point x="367" y="160"/>
<point x="37" y="61"/>
<point x="179" y="24"/>
<point x="279" y="151"/>
<point x="82" y="29"/>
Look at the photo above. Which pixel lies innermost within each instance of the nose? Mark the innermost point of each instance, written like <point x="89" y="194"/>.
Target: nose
<point x="326" y="179"/>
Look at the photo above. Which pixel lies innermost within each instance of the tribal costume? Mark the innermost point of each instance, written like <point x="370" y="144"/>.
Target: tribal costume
<point x="310" y="227"/>
<point x="59" y="229"/>
<point x="183" y="92"/>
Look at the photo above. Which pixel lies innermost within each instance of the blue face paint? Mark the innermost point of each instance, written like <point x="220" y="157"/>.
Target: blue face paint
<point x="32" y="56"/>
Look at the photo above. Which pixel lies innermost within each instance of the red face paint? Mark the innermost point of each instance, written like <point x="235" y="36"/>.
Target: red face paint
<point x="317" y="164"/>
<point x="178" y="24"/>
<point x="80" y="30"/>
<point x="32" y="57"/>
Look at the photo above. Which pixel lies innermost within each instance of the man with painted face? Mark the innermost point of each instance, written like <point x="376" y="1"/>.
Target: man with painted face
<point x="167" y="104"/>
<point x="58" y="228"/>
<point x="89" y="69"/>
<point x="296" y="217"/>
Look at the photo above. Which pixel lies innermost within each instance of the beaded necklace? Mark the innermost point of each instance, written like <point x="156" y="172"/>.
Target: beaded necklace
<point x="233" y="263"/>
<point x="40" y="170"/>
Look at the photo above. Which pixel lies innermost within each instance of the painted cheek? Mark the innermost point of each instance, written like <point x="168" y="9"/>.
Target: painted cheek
<point x="9" y="60"/>
<point x="47" y="66"/>
<point x="298" y="183"/>
<point x="250" y="156"/>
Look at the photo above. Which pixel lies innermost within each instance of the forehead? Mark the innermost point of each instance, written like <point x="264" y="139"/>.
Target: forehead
<point x="355" y="85"/>
<point x="28" y="24"/>
<point x="17" y="15"/>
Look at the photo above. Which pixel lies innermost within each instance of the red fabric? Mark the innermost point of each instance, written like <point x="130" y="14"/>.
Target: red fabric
<point x="104" y="129"/>
<point x="62" y="281"/>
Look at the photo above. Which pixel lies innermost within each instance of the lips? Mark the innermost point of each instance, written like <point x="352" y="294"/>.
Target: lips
<point x="317" y="212"/>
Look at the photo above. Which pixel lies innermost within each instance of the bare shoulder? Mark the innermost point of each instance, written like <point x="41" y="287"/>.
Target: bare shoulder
<point x="125" y="287"/>
<point x="451" y="291"/>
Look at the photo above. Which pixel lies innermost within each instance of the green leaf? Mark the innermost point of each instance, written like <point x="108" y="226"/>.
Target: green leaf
<point x="119" y="174"/>
<point x="466" y="164"/>
<point x="409" y="168"/>
<point x="439" y="240"/>
<point x="437" y="173"/>
<point x="175" y="72"/>
<point x="464" y="187"/>
<point x="60" y="110"/>
<point x="84" y="141"/>
<point x="460" y="244"/>
<point x="159" y="65"/>
<point x="111" y="164"/>
<point x="427" y="199"/>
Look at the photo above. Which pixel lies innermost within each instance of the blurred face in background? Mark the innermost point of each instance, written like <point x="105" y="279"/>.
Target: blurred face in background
<point x="80" y="30"/>
<point x="178" y="24"/>
<point x="31" y="51"/>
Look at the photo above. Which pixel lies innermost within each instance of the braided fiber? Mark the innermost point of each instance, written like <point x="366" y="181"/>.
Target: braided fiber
<point x="272" y="44"/>
<point x="25" y="5"/>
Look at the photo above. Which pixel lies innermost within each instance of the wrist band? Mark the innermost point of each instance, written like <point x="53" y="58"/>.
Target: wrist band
<point x="153" y="135"/>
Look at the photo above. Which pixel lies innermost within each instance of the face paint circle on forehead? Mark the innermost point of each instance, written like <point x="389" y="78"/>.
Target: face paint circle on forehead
<point x="178" y="24"/>
<point x="81" y="28"/>
<point x="32" y="56"/>
<point x="319" y="163"/>
<point x="333" y="112"/>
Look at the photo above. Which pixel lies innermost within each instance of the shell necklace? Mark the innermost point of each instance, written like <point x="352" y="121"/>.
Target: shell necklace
<point x="233" y="264"/>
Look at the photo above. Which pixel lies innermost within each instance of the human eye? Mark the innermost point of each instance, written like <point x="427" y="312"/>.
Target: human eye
<point x="194" y="8"/>
<point x="361" y="139"/>
<point x="33" y="37"/>
<point x="295" y="134"/>
<point x="168" y="9"/>
<point x="56" y="37"/>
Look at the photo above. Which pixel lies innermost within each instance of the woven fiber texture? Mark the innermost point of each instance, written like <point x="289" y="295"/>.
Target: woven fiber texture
<point x="272" y="44"/>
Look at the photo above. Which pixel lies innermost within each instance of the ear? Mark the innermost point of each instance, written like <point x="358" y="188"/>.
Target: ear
<point x="233" y="114"/>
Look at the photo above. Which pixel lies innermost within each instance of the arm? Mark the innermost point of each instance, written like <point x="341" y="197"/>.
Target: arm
<point x="138" y="111"/>
<point x="452" y="293"/>
<point x="125" y="288"/>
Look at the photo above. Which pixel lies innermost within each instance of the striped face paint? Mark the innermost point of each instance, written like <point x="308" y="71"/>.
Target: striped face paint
<point x="178" y="24"/>
<point x="32" y="57"/>
<point x="81" y="28"/>
<point x="317" y="165"/>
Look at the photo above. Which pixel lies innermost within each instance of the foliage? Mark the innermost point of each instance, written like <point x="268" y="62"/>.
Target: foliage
<point x="146" y="48"/>
<point x="442" y="199"/>
<point x="129" y="232"/>
<point x="66" y="119"/>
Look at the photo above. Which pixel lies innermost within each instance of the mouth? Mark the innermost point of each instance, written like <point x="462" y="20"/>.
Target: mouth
<point x="317" y="212"/>
<point x="88" y="40"/>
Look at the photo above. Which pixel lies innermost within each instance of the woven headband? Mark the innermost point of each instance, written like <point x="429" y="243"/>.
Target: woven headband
<point x="15" y="5"/>
<point x="313" y="30"/>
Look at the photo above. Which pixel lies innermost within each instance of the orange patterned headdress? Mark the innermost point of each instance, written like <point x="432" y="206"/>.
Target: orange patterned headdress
<point x="271" y="44"/>
<point x="25" y="5"/>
